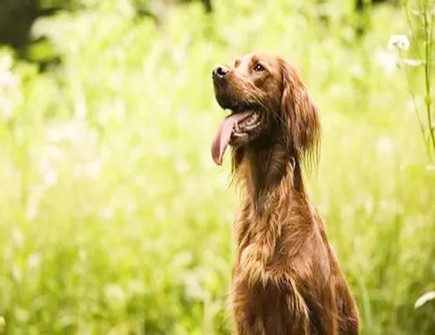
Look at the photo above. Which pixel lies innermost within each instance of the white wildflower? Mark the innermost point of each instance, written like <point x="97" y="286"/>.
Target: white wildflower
<point x="115" y="295"/>
<point x="9" y="92"/>
<point x="106" y="213"/>
<point x="413" y="62"/>
<point x="6" y="107"/>
<point x="50" y="178"/>
<point x="7" y="78"/>
<point x="388" y="60"/>
<point x="18" y="237"/>
<point x="89" y="170"/>
<point x="400" y="42"/>
<point x="93" y="169"/>
<point x="384" y="146"/>
<point x="34" y="260"/>
<point x="82" y="255"/>
<point x="34" y="198"/>
<point x="68" y="132"/>
<point x="424" y="299"/>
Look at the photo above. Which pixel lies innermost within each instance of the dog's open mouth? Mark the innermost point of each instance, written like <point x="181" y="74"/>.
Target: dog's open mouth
<point x="235" y="127"/>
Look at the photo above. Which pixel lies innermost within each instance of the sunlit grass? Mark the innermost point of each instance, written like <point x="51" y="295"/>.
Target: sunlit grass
<point x="114" y="218"/>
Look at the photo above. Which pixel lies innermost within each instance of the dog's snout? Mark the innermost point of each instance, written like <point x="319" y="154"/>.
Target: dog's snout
<point x="220" y="72"/>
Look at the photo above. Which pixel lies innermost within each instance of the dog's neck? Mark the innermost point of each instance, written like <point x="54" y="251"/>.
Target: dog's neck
<point x="264" y="168"/>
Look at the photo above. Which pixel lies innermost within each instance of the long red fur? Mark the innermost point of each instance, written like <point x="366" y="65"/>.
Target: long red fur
<point x="286" y="278"/>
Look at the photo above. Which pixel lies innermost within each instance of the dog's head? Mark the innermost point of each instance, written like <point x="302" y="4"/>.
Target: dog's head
<point x="268" y="102"/>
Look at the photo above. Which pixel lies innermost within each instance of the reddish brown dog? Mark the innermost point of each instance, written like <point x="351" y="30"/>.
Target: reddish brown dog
<point x="286" y="279"/>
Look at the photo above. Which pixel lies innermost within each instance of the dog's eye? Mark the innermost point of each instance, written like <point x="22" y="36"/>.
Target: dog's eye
<point x="258" y="67"/>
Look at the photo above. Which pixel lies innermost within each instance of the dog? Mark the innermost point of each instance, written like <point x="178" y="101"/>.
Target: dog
<point x="286" y="279"/>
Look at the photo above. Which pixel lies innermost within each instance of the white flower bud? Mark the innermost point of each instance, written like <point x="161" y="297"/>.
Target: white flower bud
<point x="400" y="42"/>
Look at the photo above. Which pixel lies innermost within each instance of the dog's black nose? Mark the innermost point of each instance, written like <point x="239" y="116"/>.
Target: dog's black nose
<point x="220" y="72"/>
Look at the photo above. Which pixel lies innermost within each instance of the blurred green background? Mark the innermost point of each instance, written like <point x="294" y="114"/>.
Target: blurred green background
<point x="113" y="217"/>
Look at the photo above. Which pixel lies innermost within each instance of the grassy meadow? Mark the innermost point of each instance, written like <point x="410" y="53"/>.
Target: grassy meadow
<point x="114" y="218"/>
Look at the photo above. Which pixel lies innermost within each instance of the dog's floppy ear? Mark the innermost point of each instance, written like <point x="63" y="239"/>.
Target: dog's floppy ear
<point x="301" y="113"/>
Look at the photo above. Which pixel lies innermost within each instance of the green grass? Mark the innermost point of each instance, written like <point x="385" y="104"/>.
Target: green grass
<point x="113" y="217"/>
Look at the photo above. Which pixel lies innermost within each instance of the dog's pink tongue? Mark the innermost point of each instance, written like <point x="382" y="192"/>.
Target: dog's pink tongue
<point x="223" y="135"/>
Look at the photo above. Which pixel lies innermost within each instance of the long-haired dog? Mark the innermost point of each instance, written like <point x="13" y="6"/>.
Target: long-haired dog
<point x="286" y="279"/>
